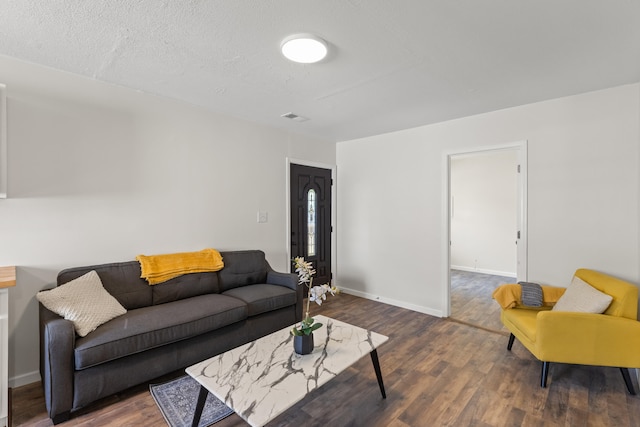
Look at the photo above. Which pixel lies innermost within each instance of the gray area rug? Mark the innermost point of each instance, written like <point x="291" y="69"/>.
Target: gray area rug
<point x="177" y="401"/>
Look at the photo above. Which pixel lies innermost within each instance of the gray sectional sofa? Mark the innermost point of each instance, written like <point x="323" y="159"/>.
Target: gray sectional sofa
<point x="167" y="327"/>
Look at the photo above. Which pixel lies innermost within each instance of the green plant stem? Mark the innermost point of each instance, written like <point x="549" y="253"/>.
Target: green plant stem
<point x="309" y="297"/>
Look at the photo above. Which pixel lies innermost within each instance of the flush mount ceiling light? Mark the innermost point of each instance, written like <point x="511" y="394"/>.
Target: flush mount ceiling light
<point x="304" y="48"/>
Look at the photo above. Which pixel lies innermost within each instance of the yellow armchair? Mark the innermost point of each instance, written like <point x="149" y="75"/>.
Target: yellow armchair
<point x="608" y="339"/>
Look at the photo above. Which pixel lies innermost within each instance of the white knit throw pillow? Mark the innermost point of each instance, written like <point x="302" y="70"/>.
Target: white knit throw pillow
<point x="83" y="301"/>
<point x="581" y="296"/>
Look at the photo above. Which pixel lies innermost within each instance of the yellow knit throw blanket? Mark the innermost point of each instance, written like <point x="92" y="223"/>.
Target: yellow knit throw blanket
<point x="510" y="295"/>
<point x="160" y="268"/>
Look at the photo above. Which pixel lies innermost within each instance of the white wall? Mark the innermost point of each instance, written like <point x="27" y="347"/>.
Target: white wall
<point x="583" y="160"/>
<point x="99" y="173"/>
<point x="484" y="200"/>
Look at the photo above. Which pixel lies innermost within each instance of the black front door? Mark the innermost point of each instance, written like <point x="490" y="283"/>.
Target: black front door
<point x="311" y="218"/>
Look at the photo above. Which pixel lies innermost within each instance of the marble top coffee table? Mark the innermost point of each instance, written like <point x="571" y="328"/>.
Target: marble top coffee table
<point x="263" y="378"/>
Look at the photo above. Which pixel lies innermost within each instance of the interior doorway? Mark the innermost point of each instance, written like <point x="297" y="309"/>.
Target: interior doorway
<point x="486" y="222"/>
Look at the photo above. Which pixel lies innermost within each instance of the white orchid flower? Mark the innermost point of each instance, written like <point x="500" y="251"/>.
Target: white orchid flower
<point x="304" y="269"/>
<point x="305" y="272"/>
<point x="331" y="289"/>
<point x="317" y="294"/>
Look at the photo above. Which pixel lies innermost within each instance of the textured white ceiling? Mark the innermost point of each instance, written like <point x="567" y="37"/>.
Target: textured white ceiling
<point x="393" y="64"/>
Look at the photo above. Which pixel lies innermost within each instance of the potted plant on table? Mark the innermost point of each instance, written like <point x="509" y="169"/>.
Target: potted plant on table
<point x="303" y="332"/>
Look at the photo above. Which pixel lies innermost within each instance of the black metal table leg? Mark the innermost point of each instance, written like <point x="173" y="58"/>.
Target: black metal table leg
<point x="202" y="399"/>
<point x="376" y="366"/>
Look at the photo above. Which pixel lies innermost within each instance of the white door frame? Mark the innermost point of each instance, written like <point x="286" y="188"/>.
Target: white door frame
<point x="334" y="198"/>
<point x="522" y="240"/>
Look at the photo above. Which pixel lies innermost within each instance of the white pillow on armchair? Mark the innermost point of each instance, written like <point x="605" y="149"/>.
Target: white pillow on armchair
<point x="582" y="297"/>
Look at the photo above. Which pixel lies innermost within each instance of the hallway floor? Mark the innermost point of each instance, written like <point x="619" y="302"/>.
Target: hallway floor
<point x="471" y="300"/>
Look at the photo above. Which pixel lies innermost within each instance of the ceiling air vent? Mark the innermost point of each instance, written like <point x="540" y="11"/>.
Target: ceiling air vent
<point x="295" y="117"/>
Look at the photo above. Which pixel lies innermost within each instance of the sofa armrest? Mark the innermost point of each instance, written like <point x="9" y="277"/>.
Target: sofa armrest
<point x="588" y="339"/>
<point x="57" y="341"/>
<point x="290" y="280"/>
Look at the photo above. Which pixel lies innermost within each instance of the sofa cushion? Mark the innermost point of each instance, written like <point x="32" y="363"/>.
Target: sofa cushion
<point x="243" y="268"/>
<point x="120" y="279"/>
<point x="262" y="297"/>
<point x="83" y="301"/>
<point x="154" y="326"/>
<point x="582" y="297"/>
<point x="185" y="286"/>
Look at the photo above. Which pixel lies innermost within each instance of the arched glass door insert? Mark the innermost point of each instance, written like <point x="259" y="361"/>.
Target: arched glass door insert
<point x="312" y="207"/>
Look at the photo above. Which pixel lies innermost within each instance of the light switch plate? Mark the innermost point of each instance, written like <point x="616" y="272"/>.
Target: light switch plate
<point x="263" y="216"/>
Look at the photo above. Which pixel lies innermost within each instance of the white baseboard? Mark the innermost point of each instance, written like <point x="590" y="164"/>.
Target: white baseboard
<point x="401" y="304"/>
<point x="484" y="271"/>
<point x="24" y="379"/>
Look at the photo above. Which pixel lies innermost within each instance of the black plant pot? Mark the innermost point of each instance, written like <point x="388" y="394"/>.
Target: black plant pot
<point x="303" y="344"/>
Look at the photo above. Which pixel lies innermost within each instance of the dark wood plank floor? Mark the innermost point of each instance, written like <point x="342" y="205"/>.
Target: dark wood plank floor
<point x="437" y="372"/>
